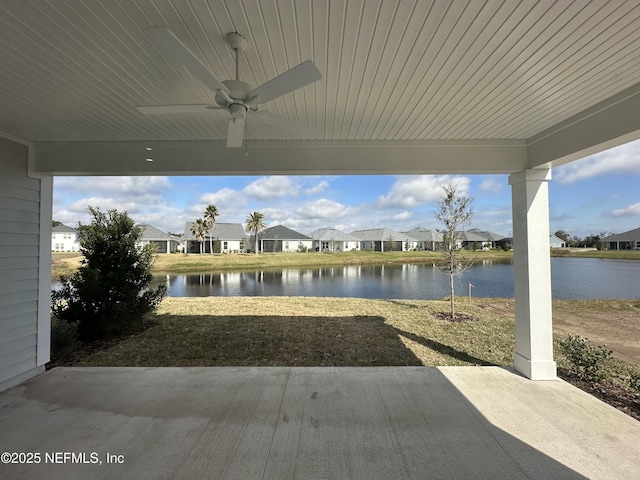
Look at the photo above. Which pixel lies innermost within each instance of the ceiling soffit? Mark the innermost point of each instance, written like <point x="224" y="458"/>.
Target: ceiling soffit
<point x="393" y="71"/>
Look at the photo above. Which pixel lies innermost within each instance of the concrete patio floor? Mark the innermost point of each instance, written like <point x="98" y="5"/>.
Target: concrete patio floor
<point x="311" y="423"/>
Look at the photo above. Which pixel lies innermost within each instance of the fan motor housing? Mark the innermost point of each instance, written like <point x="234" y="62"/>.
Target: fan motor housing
<point x="238" y="90"/>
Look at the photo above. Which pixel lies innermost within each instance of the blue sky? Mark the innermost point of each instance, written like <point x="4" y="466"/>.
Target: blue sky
<point x="595" y="194"/>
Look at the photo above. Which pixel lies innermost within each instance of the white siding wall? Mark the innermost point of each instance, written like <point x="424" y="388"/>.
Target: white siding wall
<point x="232" y="246"/>
<point x="64" y="242"/>
<point x="292" y="245"/>
<point x="20" y="262"/>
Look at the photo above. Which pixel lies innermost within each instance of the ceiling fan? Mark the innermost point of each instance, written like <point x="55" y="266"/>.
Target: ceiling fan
<point x="235" y="96"/>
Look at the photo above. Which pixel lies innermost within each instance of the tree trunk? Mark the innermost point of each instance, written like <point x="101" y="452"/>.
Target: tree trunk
<point x="453" y="312"/>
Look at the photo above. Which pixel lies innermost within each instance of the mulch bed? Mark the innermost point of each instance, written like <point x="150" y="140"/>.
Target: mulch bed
<point x="625" y="400"/>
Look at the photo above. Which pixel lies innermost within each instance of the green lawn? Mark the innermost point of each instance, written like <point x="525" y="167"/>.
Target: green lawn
<point x="305" y="331"/>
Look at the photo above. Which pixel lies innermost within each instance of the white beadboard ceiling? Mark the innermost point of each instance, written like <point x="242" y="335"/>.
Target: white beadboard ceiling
<point x="393" y="70"/>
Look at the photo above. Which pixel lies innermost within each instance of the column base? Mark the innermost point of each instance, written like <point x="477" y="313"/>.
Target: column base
<point x="535" y="370"/>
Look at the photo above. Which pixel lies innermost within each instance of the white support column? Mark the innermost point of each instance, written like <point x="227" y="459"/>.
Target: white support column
<point x="43" y="349"/>
<point x="532" y="274"/>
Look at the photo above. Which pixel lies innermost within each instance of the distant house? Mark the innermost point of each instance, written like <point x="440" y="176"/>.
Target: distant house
<point x="332" y="240"/>
<point x="227" y="238"/>
<point x="163" y="242"/>
<point x="556" y="242"/>
<point x="385" y="240"/>
<point x="623" y="241"/>
<point x="486" y="239"/>
<point x="283" y="239"/>
<point x="473" y="240"/>
<point x="64" y="239"/>
<point x="427" y="239"/>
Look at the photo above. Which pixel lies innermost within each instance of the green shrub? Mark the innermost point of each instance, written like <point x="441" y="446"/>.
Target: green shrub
<point x="64" y="337"/>
<point x="585" y="360"/>
<point x="634" y="381"/>
<point x="110" y="292"/>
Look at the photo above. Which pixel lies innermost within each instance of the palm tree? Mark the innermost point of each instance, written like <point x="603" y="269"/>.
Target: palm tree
<point x="210" y="214"/>
<point x="199" y="230"/>
<point x="255" y="225"/>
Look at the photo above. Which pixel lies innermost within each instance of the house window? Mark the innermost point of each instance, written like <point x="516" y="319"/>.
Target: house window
<point x="325" y="245"/>
<point x="225" y="245"/>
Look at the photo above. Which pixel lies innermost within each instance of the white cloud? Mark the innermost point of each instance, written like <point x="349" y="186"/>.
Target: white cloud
<point x="411" y="191"/>
<point x="322" y="186"/>
<point x="143" y="198"/>
<point x="629" y="211"/>
<point x="624" y="159"/>
<point x="324" y="209"/>
<point x="266" y="188"/>
<point x="310" y="216"/>
<point x="225" y="200"/>
<point x="130" y="186"/>
<point x="402" y="215"/>
<point x="105" y="204"/>
<point x="492" y="185"/>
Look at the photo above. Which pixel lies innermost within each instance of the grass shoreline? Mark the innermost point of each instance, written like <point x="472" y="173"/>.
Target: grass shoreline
<point x="67" y="263"/>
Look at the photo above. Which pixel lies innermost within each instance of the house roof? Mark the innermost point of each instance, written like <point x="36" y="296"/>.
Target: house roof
<point x="280" y="232"/>
<point x="332" y="234"/>
<point x="152" y="233"/>
<point x="220" y="231"/>
<point x="469" y="236"/>
<point x="425" y="234"/>
<point x="630" y="236"/>
<point x="382" y="234"/>
<point x="63" y="229"/>
<point x="486" y="235"/>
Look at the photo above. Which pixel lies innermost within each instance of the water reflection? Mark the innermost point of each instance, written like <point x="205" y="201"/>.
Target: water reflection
<point x="571" y="278"/>
<point x="361" y="281"/>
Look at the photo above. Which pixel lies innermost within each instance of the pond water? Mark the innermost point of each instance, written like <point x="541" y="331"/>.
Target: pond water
<point x="570" y="278"/>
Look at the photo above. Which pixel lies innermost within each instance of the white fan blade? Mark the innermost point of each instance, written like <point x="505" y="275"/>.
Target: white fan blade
<point x="235" y="132"/>
<point x="285" y="124"/>
<point x="291" y="80"/>
<point x="180" y="56"/>
<point x="160" y="109"/>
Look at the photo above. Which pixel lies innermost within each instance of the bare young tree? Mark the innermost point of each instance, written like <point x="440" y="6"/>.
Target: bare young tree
<point x="455" y="212"/>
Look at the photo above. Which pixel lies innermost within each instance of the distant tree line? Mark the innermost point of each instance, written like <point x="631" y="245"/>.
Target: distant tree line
<point x="590" y="241"/>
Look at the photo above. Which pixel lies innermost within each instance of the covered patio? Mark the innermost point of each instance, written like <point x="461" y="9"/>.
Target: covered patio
<point x="275" y="423"/>
<point x="424" y="87"/>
